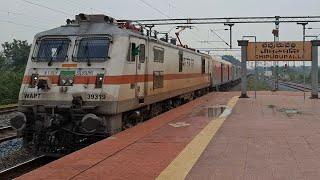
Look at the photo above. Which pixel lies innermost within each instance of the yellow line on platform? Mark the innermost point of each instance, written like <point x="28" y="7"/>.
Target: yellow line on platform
<point x="182" y="164"/>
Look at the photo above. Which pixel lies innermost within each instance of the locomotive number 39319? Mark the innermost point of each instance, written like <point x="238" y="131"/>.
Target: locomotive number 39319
<point x="95" y="96"/>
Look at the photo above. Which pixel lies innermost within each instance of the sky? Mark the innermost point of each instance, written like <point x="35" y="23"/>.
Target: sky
<point x="22" y="19"/>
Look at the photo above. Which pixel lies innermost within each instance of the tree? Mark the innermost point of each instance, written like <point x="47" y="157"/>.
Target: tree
<point x="2" y="62"/>
<point x="13" y="60"/>
<point x="15" y="54"/>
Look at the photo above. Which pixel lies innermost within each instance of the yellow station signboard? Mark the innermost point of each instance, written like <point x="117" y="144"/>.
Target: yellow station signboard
<point x="279" y="51"/>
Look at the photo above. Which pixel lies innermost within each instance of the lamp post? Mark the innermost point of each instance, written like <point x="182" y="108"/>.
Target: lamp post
<point x="275" y="33"/>
<point x="304" y="65"/>
<point x="230" y="28"/>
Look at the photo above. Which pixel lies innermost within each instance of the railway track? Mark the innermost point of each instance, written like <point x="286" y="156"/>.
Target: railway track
<point x="295" y="86"/>
<point x="7" y="133"/>
<point x="9" y="109"/>
<point x="25" y="167"/>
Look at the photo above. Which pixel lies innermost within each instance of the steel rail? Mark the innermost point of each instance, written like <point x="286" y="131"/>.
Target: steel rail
<point x="25" y="167"/>
<point x="8" y="138"/>
<point x="7" y="130"/>
<point x="299" y="87"/>
<point x="9" y="109"/>
<point x="291" y="86"/>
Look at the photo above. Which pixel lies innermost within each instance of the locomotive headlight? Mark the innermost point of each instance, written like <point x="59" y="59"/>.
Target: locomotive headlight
<point x="66" y="81"/>
<point x="66" y="78"/>
<point x="99" y="80"/>
<point x="34" y="80"/>
<point x="63" y="82"/>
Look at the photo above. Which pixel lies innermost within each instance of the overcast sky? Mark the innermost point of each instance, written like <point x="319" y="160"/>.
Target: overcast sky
<point x="21" y="19"/>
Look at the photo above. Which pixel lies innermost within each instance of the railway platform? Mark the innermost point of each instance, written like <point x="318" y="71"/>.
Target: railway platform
<point x="276" y="136"/>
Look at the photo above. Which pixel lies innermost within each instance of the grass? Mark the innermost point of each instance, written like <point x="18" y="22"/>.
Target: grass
<point x="7" y="106"/>
<point x="261" y="85"/>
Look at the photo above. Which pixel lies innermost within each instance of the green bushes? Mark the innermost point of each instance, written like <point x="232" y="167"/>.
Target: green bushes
<point x="10" y="83"/>
<point x="13" y="59"/>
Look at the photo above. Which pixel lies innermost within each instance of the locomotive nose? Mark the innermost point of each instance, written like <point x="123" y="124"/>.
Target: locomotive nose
<point x="19" y="121"/>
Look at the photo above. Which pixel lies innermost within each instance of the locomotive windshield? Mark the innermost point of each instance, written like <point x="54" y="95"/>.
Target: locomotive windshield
<point x="53" y="49"/>
<point x="95" y="48"/>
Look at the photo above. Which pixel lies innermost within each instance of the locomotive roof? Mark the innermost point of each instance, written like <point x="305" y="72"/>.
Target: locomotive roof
<point x="218" y="59"/>
<point x="87" y="28"/>
<point x="96" y="24"/>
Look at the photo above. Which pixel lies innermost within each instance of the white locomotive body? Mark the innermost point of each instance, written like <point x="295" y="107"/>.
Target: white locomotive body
<point x="92" y="78"/>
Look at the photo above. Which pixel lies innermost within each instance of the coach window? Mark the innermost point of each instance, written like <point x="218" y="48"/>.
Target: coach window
<point x="180" y="61"/>
<point x="158" y="79"/>
<point x="203" y="65"/>
<point x="142" y="53"/>
<point x="158" y="54"/>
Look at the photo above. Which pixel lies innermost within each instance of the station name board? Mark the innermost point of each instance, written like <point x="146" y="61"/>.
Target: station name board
<point x="279" y="51"/>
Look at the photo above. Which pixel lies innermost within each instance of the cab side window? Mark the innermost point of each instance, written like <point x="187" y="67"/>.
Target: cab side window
<point x="180" y="61"/>
<point x="142" y="53"/>
<point x="133" y="52"/>
<point x="158" y="54"/>
<point x="203" y="65"/>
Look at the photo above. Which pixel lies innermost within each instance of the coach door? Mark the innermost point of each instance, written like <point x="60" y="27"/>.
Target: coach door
<point x="141" y="69"/>
<point x="221" y="72"/>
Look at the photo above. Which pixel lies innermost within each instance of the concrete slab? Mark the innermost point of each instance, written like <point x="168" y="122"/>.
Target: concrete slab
<point x="260" y="140"/>
<point x="276" y="136"/>
<point x="141" y="152"/>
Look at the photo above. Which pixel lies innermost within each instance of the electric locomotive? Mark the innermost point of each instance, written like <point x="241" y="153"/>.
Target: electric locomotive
<point x="95" y="77"/>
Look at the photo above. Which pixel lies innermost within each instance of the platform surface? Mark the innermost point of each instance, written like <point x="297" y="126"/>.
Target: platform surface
<point x="275" y="136"/>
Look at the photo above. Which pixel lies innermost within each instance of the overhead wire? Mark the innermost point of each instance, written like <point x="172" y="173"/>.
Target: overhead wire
<point x="46" y="7"/>
<point x="192" y="33"/>
<point x="173" y="6"/>
<point x="214" y="32"/>
<point x="20" y="24"/>
<point x="154" y="8"/>
<point x="167" y="16"/>
<point x="40" y="20"/>
<point x="82" y="5"/>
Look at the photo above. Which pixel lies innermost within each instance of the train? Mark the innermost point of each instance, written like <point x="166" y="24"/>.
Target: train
<point x="94" y="77"/>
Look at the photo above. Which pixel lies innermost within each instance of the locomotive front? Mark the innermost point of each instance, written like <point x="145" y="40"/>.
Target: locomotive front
<point x="63" y="98"/>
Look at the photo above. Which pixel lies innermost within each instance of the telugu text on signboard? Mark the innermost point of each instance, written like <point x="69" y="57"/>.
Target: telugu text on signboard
<point x="279" y="51"/>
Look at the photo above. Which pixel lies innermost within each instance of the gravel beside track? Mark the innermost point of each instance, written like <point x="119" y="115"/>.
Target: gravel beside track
<point x="11" y="152"/>
<point x="5" y="119"/>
